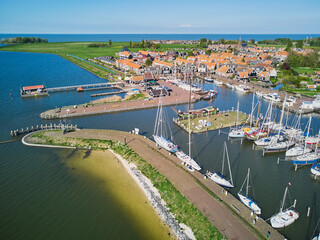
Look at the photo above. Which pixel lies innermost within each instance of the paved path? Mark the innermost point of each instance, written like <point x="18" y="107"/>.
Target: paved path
<point x="177" y="96"/>
<point x="218" y="213"/>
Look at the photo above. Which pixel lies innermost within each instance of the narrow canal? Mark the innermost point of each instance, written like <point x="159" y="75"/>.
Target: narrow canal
<point x="18" y="163"/>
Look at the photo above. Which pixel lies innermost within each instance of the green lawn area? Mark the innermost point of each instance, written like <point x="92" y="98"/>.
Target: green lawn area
<point x="82" y="50"/>
<point x="304" y="92"/>
<point x="79" y="49"/>
<point x="306" y="69"/>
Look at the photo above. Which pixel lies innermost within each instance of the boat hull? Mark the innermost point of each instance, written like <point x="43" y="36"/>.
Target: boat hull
<point x="250" y="204"/>
<point x="165" y="144"/>
<point x="188" y="160"/>
<point x="217" y="178"/>
<point x="306" y="159"/>
<point x="284" y="218"/>
<point x="315" y="170"/>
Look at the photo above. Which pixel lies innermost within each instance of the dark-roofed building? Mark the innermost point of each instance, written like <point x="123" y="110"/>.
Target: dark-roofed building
<point x="158" y="92"/>
<point x="125" y="49"/>
<point x="148" y="76"/>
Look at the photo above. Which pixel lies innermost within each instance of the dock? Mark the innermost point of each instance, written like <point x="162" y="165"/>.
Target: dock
<point x="51" y="126"/>
<point x="87" y="87"/>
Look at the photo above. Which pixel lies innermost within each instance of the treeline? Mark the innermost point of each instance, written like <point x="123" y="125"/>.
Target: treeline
<point x="314" y="42"/>
<point x="311" y="60"/>
<point x="277" y="41"/>
<point x="14" y="40"/>
<point x="98" y="45"/>
<point x="144" y="44"/>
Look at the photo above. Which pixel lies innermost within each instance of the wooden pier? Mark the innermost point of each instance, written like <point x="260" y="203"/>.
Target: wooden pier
<point x="87" y="87"/>
<point x="51" y="126"/>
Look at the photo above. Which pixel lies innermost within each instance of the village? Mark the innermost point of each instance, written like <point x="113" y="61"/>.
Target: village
<point x="260" y="69"/>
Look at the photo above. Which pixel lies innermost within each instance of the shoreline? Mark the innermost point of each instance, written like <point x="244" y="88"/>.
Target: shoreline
<point x="180" y="230"/>
<point x="219" y="208"/>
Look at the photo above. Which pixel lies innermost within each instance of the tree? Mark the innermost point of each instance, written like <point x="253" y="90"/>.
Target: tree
<point x="289" y="45"/>
<point x="203" y="42"/>
<point x="299" y="44"/>
<point x="252" y="41"/>
<point x="130" y="44"/>
<point x="222" y="41"/>
<point x="190" y="53"/>
<point x="148" y="62"/>
<point x="209" y="42"/>
<point x="110" y="42"/>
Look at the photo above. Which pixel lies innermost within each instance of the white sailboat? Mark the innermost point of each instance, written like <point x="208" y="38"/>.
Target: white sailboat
<point x="308" y="158"/>
<point x="219" y="178"/>
<point x="299" y="150"/>
<point x="315" y="169"/>
<point x="252" y="205"/>
<point x="236" y="133"/>
<point x="160" y="135"/>
<point x="284" y="217"/>
<point x="187" y="160"/>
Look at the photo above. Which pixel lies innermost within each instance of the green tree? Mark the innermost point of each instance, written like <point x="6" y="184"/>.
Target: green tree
<point x="110" y="42"/>
<point x="148" y="62"/>
<point x="289" y="45"/>
<point x="190" y="53"/>
<point x="252" y="41"/>
<point x="299" y="44"/>
<point x="130" y="44"/>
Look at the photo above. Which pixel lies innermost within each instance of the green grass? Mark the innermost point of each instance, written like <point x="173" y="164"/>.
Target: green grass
<point x="304" y="92"/>
<point x="305" y="69"/>
<point x="184" y="211"/>
<point x="79" y="49"/>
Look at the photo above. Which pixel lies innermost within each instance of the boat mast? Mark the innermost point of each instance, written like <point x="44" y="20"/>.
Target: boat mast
<point x="258" y="112"/>
<point x="247" y="190"/>
<point x="281" y="117"/>
<point x="228" y="163"/>
<point x="189" y="124"/>
<point x="305" y="142"/>
<point x="251" y="115"/>
<point x="224" y="154"/>
<point x="284" y="198"/>
<point x="237" y="116"/>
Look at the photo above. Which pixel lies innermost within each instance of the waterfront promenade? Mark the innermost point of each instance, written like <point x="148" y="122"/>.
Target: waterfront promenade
<point x="230" y="216"/>
<point x="177" y="96"/>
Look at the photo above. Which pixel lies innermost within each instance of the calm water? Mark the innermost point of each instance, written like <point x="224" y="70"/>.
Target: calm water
<point x="139" y="37"/>
<point x="30" y="177"/>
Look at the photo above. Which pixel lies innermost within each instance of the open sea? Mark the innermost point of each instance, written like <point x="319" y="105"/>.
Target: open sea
<point x="139" y="37"/>
<point x="42" y="197"/>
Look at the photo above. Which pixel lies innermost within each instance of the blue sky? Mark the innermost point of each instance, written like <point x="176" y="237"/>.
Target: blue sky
<point x="165" y="16"/>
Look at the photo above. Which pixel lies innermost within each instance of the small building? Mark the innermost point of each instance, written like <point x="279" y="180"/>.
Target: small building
<point x="32" y="91"/>
<point x="158" y="92"/>
<point x="137" y="79"/>
<point x="243" y="76"/>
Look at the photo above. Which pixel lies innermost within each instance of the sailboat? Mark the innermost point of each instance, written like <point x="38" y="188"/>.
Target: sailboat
<point x="236" y="133"/>
<point x="308" y="158"/>
<point x="187" y="160"/>
<point x="252" y="205"/>
<point x="284" y="217"/>
<point x="219" y="178"/>
<point x="159" y="134"/>
<point x="190" y="163"/>
<point x="315" y="169"/>
<point x="278" y="145"/>
<point x="300" y="150"/>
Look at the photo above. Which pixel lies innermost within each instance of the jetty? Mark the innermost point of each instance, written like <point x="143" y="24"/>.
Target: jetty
<point x="87" y="87"/>
<point x="64" y="127"/>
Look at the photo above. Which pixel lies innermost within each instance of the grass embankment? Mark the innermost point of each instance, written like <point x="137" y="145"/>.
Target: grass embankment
<point x="225" y="120"/>
<point x="184" y="211"/>
<point x="305" y="69"/>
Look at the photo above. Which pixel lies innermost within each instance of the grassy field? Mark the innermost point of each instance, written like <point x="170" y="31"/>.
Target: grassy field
<point x="306" y="69"/>
<point x="82" y="49"/>
<point x="224" y="120"/>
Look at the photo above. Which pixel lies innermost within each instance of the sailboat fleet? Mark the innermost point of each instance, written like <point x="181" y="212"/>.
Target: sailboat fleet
<point x="263" y="131"/>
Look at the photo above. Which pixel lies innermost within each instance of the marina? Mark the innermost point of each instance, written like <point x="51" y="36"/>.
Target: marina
<point x="266" y="187"/>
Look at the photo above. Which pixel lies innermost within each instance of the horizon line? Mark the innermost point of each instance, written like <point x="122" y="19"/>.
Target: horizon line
<point x="174" y="33"/>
